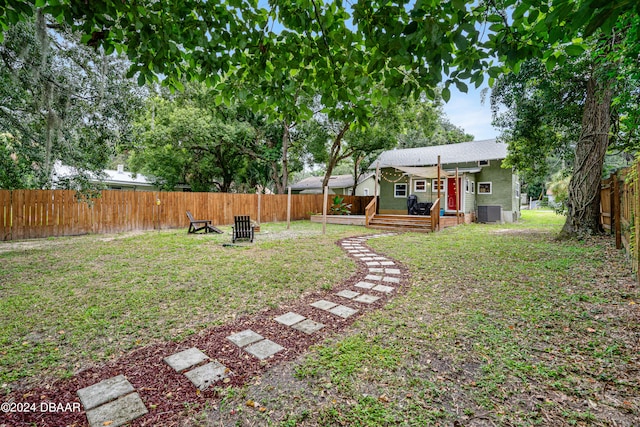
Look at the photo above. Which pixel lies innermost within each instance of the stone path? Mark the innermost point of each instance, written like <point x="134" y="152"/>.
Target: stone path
<point x="115" y="401"/>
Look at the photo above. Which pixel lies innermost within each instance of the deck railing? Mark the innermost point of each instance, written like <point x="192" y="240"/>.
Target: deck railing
<point x="370" y="211"/>
<point x="435" y="215"/>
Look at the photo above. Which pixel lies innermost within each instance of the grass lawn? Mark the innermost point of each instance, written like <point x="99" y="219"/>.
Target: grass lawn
<point x="502" y="325"/>
<point x="69" y="302"/>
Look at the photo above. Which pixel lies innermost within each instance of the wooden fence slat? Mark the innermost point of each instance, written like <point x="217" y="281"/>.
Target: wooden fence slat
<point x="44" y="213"/>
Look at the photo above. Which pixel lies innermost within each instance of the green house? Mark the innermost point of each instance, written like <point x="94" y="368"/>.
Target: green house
<point x="484" y="191"/>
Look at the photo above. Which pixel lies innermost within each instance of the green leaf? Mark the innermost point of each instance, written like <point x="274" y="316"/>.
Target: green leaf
<point x="446" y="94"/>
<point x="574" y="50"/>
<point x="550" y="63"/>
<point x="462" y="87"/>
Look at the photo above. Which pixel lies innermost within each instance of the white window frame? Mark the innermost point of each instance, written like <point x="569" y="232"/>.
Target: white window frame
<point x="434" y="185"/>
<point x="517" y="189"/>
<point x="396" y="188"/>
<point x="484" y="162"/>
<point x="365" y="192"/>
<point x="424" y="186"/>
<point x="489" y="183"/>
<point x="467" y="185"/>
<point x="473" y="187"/>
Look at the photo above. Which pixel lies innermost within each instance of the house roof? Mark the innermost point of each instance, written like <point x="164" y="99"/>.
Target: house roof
<point x="463" y="152"/>
<point x="337" y="181"/>
<point x="113" y="177"/>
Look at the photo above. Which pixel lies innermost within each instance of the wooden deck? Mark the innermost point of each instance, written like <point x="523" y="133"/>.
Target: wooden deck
<point x="416" y="223"/>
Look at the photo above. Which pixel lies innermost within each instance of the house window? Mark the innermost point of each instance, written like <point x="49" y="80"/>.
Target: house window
<point x="473" y="187"/>
<point x="400" y="190"/>
<point x="485" y="188"/>
<point x="420" y="186"/>
<point x="467" y="185"/>
<point x="435" y="183"/>
<point x="366" y="191"/>
<point x="484" y="162"/>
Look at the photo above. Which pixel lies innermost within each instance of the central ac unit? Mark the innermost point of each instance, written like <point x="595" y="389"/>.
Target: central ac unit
<point x="489" y="213"/>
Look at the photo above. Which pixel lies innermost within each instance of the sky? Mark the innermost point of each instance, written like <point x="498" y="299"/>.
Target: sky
<point x="467" y="111"/>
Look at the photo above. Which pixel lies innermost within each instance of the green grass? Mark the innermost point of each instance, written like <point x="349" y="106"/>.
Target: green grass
<point x="69" y="301"/>
<point x="502" y="325"/>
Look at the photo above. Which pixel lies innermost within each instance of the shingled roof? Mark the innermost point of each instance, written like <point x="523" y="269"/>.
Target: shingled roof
<point x="463" y="152"/>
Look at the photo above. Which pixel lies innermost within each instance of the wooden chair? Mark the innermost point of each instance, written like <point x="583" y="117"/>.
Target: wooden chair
<point x="242" y="228"/>
<point x="196" y="225"/>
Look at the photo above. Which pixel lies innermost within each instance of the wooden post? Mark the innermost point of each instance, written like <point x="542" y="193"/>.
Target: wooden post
<point x="438" y="180"/>
<point x="375" y="187"/>
<point x="324" y="210"/>
<point x="455" y="185"/>
<point x="288" y="208"/>
<point x="259" y="205"/>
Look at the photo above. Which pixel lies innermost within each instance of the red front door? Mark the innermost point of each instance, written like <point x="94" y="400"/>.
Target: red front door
<point x="452" y="193"/>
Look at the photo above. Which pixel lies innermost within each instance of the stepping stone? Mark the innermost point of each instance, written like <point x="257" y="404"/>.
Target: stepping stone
<point x="308" y="326"/>
<point x="387" y="263"/>
<point x="376" y="270"/>
<point x="392" y="270"/>
<point x="348" y="294"/>
<point x="104" y="391"/>
<point x="373" y="277"/>
<point x="368" y="258"/>
<point x="244" y="338"/>
<point x="380" y="258"/>
<point x="359" y="255"/>
<point x="206" y="375"/>
<point x="185" y="359"/>
<point x="290" y="318"/>
<point x="264" y="349"/>
<point x="366" y="298"/>
<point x="118" y="412"/>
<point x="365" y="285"/>
<point x="373" y="263"/>
<point x="324" y="304"/>
<point x="383" y="288"/>
<point x="343" y="311"/>
<point x="391" y="279"/>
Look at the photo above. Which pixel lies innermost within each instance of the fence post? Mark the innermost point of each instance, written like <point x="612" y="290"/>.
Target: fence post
<point x="288" y="207"/>
<point x="616" y="216"/>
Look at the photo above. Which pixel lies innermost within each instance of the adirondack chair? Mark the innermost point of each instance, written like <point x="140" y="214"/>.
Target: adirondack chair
<point x="242" y="228"/>
<point x="196" y="225"/>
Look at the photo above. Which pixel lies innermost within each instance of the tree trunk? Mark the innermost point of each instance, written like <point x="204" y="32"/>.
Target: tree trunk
<point x="335" y="154"/>
<point x="284" y="182"/>
<point x="584" y="188"/>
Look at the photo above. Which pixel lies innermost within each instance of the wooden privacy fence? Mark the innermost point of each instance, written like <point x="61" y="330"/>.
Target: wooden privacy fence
<point x="27" y="214"/>
<point x="620" y="211"/>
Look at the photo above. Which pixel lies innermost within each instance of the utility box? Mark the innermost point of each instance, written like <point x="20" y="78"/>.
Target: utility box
<point x="490" y="214"/>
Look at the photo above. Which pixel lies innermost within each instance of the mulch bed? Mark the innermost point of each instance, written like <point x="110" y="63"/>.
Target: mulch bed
<point x="166" y="393"/>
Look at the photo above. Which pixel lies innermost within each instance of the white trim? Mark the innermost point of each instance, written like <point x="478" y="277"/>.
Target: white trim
<point x="490" y="183"/>
<point x="415" y="186"/>
<point x="434" y="185"/>
<point x="484" y="162"/>
<point x="395" y="190"/>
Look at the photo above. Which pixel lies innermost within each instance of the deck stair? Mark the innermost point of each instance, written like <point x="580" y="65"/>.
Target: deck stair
<point x="417" y="223"/>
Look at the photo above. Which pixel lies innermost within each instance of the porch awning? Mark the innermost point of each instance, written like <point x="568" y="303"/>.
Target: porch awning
<point x="424" y="172"/>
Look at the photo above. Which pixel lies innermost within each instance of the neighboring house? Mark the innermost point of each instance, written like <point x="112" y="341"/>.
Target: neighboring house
<point x="338" y="184"/>
<point x="484" y="189"/>
<point x="112" y="180"/>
